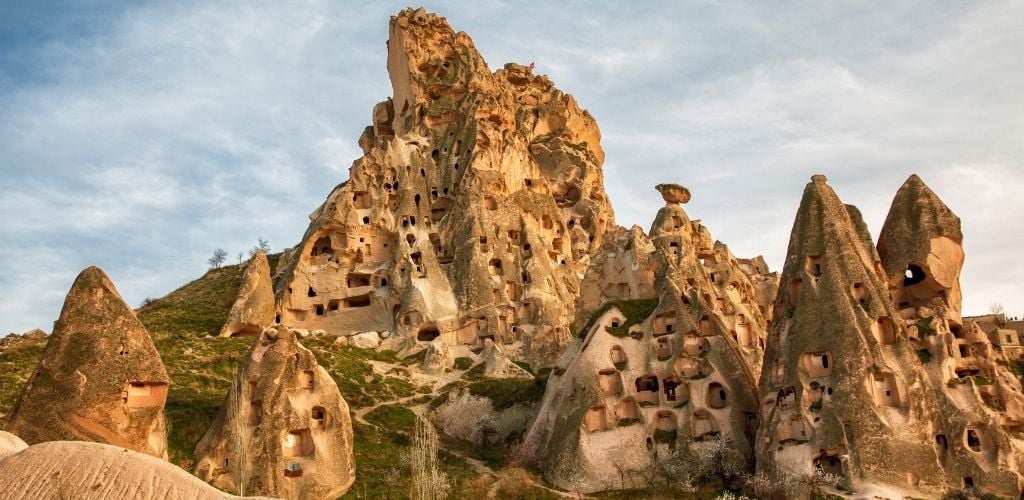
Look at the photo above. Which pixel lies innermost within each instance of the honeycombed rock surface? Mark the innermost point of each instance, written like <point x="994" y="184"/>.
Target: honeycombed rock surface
<point x="672" y="328"/>
<point x="981" y="407"/>
<point x="71" y="469"/>
<point x="254" y="308"/>
<point x="472" y="213"/>
<point x="100" y="378"/>
<point x="284" y="429"/>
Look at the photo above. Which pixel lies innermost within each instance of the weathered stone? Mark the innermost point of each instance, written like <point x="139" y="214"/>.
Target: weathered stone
<point x="284" y="429"/>
<point x="100" y="378"/>
<point x="10" y="444"/>
<point x="365" y="340"/>
<point x="673" y="193"/>
<point x="671" y="330"/>
<point x="471" y="215"/>
<point x="254" y="308"/>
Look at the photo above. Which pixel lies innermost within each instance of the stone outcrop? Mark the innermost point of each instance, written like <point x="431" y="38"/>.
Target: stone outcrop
<point x="254" y="308"/>
<point x="95" y="471"/>
<point x="284" y="429"/>
<point x="472" y="213"/>
<point x="671" y="331"/>
<point x="100" y="378"/>
<point x="10" y="444"/>
<point x="977" y="433"/>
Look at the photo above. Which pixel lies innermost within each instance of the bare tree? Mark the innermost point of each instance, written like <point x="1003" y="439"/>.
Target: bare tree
<point x="719" y="461"/>
<point x="485" y="428"/>
<point x="241" y="255"/>
<point x="219" y="255"/>
<point x="429" y="482"/>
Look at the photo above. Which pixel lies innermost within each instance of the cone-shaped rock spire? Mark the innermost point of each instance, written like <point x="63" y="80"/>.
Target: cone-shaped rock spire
<point x="254" y="308"/>
<point x="100" y="378"/>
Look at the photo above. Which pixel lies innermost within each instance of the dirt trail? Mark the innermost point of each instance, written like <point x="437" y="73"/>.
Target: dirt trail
<point x="421" y="411"/>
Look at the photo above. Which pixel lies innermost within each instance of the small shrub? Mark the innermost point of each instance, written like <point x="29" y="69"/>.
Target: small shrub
<point x="624" y="422"/>
<point x="924" y="355"/>
<point x="661" y="436"/>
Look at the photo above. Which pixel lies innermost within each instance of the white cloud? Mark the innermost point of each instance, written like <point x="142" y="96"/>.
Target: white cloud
<point x="185" y="126"/>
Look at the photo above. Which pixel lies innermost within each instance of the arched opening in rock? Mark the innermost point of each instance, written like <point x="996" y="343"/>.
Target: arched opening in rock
<point x="298" y="443"/>
<point x="913" y="275"/>
<point x="490" y="203"/>
<point x="647" y="389"/>
<point x="976" y="439"/>
<point x="596" y="419"/>
<point x="427" y="333"/>
<point x="884" y="330"/>
<point x="703" y="425"/>
<point x="319" y="416"/>
<point x="356" y="280"/>
<point x="627" y="410"/>
<point x="817" y="364"/>
<point x="813" y="265"/>
<point x="665" y="421"/>
<point x="716" y="396"/>
<point x="144" y="394"/>
<point x="494" y="267"/>
<point x="307" y="378"/>
<point x="859" y="293"/>
<point x="676" y="390"/>
<point x="829" y="464"/>
<point x="664" y="323"/>
<point x="357" y="301"/>
<point x="610" y="382"/>
<point x="884" y="389"/>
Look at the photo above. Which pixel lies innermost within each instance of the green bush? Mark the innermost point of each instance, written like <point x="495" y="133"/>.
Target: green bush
<point x="506" y="393"/>
<point x="924" y="355"/>
<point x="463" y="363"/>
<point x="635" y="312"/>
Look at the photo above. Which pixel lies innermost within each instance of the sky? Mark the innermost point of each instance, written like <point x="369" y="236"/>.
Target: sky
<point x="140" y="136"/>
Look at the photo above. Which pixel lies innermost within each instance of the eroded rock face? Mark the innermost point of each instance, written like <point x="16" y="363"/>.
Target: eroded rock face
<point x="284" y="429"/>
<point x="95" y="471"/>
<point x="10" y="444"/>
<point x="100" y="378"/>
<point x="976" y="434"/>
<point x="254" y="308"/>
<point x="842" y="388"/>
<point x="472" y="213"/>
<point x="672" y="331"/>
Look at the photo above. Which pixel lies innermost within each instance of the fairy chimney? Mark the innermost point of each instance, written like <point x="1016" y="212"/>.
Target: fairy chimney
<point x="284" y="429"/>
<point x="100" y="378"/>
<point x="254" y="307"/>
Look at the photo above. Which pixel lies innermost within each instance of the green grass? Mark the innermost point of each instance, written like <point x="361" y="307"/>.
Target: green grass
<point x="924" y="327"/>
<point x="982" y="380"/>
<point x="635" y="311"/>
<point x="463" y="363"/>
<point x="506" y="393"/>
<point x="393" y="417"/>
<point x="16" y="364"/>
<point x="924" y="355"/>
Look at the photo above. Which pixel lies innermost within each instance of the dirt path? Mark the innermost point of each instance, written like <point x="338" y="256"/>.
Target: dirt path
<point x="421" y="411"/>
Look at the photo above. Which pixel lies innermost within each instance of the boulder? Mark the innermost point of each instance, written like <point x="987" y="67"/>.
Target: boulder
<point x="365" y="340"/>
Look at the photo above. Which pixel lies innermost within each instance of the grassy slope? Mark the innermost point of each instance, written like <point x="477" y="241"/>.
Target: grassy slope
<point x="202" y="369"/>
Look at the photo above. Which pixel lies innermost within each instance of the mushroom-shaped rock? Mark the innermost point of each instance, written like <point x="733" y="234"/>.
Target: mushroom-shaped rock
<point x="100" y="378"/>
<point x="284" y="429"/>
<point x="254" y="307"/>
<point x="673" y="193"/>
<point x="95" y="471"/>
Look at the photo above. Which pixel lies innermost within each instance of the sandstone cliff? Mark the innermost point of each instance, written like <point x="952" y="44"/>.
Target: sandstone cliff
<point x="472" y="213"/>
<point x="100" y="378"/>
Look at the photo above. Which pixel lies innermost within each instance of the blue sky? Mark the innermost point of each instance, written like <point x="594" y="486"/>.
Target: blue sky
<point x="139" y="136"/>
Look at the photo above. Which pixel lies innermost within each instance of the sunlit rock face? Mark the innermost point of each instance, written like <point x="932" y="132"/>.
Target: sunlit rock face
<point x="981" y="411"/>
<point x="284" y="429"/>
<point x="671" y="329"/>
<point x="472" y="214"/>
<point x="100" y="378"/>
<point x="254" y="307"/>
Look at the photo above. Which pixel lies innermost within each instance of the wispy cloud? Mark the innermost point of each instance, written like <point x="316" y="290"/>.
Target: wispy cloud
<point x="141" y="136"/>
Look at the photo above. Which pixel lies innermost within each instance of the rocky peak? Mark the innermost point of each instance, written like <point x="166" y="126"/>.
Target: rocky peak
<point x="254" y="307"/>
<point x="100" y="378"/>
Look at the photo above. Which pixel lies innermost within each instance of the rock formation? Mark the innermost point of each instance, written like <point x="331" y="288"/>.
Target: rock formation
<point x="254" y="308"/>
<point x="100" y="377"/>
<point x="283" y="430"/>
<point x="94" y="471"/>
<point x="10" y="444"/>
<point x="976" y="435"/>
<point x="472" y="213"/>
<point x="671" y="337"/>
